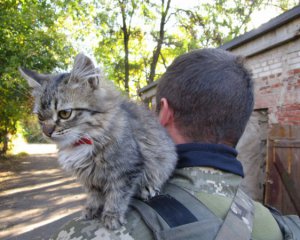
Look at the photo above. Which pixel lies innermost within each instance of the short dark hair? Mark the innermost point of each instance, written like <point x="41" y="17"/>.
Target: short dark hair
<point x="211" y="93"/>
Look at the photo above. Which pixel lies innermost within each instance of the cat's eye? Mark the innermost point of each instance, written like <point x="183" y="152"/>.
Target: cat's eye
<point x="65" y="114"/>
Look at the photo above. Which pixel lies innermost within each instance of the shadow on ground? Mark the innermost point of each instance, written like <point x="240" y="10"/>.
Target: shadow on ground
<point x="36" y="197"/>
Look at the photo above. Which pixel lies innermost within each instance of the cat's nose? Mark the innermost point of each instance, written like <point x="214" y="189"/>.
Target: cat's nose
<point x="48" y="129"/>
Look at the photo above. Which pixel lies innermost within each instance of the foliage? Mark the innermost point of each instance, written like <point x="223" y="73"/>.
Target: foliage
<point x="126" y="29"/>
<point x="30" y="130"/>
<point x="12" y="108"/>
<point x="116" y="34"/>
<point x="283" y="5"/>
<point x="138" y="39"/>
<point x="29" y="37"/>
<point x="213" y="23"/>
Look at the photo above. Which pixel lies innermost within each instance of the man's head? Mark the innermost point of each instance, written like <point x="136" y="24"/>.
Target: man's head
<point x="208" y="96"/>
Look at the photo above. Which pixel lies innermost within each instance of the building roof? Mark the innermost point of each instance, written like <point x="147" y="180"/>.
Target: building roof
<point x="148" y="87"/>
<point x="264" y="28"/>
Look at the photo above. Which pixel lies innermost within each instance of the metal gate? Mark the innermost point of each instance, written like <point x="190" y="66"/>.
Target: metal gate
<point x="283" y="169"/>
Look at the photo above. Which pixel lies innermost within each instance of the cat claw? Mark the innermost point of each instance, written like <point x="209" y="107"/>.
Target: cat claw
<point x="149" y="192"/>
<point x="112" y="221"/>
<point x="90" y="213"/>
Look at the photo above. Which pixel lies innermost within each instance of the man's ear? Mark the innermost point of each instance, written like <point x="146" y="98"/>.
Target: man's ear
<point x="166" y="114"/>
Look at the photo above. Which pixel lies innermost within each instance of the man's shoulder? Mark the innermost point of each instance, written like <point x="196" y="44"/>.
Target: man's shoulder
<point x="264" y="225"/>
<point x="219" y="189"/>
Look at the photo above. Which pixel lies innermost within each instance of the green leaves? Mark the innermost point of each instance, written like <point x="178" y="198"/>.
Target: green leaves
<point x="29" y="37"/>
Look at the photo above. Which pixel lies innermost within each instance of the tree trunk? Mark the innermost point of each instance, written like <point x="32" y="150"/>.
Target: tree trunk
<point x="126" y="81"/>
<point x="5" y="145"/>
<point x="126" y="34"/>
<point x="160" y="41"/>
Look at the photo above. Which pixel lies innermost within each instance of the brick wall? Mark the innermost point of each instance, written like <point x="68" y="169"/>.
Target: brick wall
<point x="276" y="76"/>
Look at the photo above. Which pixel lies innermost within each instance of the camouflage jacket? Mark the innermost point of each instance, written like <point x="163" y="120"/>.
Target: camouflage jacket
<point x="214" y="188"/>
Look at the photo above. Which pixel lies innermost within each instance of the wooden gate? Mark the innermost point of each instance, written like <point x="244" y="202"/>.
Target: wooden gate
<point x="283" y="169"/>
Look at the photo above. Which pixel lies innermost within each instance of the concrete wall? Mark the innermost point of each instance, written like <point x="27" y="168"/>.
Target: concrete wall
<point x="252" y="149"/>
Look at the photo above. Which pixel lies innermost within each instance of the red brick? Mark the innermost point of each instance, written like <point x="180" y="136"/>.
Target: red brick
<point x="292" y="107"/>
<point x="297" y="70"/>
<point x="291" y="115"/>
<point x="276" y="85"/>
<point x="293" y="119"/>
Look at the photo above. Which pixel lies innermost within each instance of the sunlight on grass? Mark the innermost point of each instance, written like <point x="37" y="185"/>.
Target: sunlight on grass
<point x="21" y="146"/>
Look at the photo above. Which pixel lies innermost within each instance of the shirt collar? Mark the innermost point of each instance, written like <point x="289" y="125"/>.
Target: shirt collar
<point x="217" y="156"/>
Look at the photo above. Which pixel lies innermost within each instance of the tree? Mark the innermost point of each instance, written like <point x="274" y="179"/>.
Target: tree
<point x="126" y="11"/>
<point x="213" y="23"/>
<point x="135" y="47"/>
<point x="132" y="22"/>
<point x="165" y="7"/>
<point x="116" y="23"/>
<point x="29" y="37"/>
<point x="282" y="5"/>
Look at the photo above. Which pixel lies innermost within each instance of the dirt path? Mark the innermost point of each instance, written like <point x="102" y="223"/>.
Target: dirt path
<point x="36" y="197"/>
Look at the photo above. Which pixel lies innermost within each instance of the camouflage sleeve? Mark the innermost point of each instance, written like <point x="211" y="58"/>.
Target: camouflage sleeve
<point x="81" y="229"/>
<point x="78" y="229"/>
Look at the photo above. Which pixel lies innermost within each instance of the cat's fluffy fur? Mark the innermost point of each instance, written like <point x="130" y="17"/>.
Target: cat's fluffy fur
<point x="130" y="153"/>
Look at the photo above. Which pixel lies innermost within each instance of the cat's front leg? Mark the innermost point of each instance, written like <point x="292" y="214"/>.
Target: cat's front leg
<point x="115" y="207"/>
<point x="94" y="205"/>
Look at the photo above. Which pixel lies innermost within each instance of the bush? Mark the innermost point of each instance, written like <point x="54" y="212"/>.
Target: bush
<point x="31" y="130"/>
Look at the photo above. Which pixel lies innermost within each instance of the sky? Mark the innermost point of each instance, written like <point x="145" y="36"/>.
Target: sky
<point x="263" y="16"/>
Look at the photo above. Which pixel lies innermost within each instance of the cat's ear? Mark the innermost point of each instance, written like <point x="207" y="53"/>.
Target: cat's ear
<point x="35" y="82"/>
<point x="83" y="63"/>
<point x="84" y="70"/>
<point x="34" y="79"/>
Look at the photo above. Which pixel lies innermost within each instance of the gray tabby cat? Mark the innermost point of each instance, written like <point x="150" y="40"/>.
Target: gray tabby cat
<point x="116" y="148"/>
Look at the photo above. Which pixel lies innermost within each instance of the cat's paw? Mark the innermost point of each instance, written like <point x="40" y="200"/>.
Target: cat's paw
<point x="112" y="221"/>
<point x="148" y="192"/>
<point x="90" y="213"/>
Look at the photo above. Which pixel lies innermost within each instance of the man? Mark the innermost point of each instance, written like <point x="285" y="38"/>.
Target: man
<point x="204" y="100"/>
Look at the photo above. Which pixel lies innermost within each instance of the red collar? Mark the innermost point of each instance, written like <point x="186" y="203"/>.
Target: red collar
<point x="83" y="140"/>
